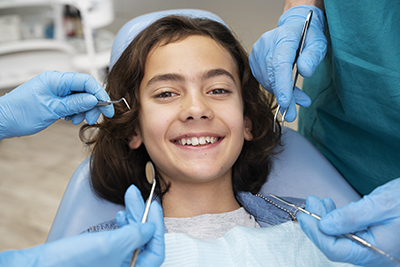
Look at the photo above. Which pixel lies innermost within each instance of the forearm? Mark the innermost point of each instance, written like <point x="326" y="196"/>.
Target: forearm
<point x="4" y="123"/>
<point x="292" y="3"/>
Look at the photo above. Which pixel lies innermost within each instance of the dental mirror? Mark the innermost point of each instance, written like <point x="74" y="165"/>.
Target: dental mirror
<point x="151" y="178"/>
<point x="150" y="173"/>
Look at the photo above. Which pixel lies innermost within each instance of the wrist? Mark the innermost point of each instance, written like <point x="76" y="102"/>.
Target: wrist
<point x="292" y="3"/>
<point x="4" y="123"/>
<point x="318" y="17"/>
<point x="25" y="257"/>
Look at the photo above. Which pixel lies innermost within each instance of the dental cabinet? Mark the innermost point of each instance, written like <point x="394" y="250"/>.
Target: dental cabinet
<point x="63" y="35"/>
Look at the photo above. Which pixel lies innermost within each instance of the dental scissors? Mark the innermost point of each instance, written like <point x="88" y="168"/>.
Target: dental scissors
<point x="109" y="102"/>
<point x="294" y="69"/>
<point x="352" y="237"/>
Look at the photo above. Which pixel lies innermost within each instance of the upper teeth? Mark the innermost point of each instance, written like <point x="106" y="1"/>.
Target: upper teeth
<point x="196" y="141"/>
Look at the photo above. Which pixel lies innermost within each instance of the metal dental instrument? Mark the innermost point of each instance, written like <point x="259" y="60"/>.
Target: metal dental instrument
<point x="352" y="237"/>
<point x="109" y="102"/>
<point x="151" y="178"/>
<point x="294" y="69"/>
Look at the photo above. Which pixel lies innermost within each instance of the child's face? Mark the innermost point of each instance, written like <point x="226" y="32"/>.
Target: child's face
<point x="190" y="93"/>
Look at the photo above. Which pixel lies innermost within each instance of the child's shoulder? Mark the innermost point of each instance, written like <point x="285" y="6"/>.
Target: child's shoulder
<point x="267" y="210"/>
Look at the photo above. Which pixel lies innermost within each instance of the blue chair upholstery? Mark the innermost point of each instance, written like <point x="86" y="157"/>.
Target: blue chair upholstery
<point x="129" y="31"/>
<point x="299" y="171"/>
<point x="80" y="208"/>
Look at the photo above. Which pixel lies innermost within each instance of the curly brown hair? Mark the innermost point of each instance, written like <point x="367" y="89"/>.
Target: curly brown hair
<point x="114" y="166"/>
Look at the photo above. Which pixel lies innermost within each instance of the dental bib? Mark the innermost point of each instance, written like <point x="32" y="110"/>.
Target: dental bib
<point x="282" y="245"/>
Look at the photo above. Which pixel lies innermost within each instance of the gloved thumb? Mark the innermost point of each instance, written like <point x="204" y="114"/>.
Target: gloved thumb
<point x="351" y="218"/>
<point x="379" y="206"/>
<point x="75" y="104"/>
<point x="313" y="53"/>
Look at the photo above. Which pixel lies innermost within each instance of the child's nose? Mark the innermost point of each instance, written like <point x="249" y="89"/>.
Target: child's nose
<point x="196" y="107"/>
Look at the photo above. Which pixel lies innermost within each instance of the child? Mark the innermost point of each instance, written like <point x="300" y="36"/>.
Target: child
<point x="201" y="117"/>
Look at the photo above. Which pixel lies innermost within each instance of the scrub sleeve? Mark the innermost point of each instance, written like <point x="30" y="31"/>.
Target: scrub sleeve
<point x="354" y="118"/>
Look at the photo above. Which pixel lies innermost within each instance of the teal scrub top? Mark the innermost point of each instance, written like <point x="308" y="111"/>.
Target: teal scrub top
<point x="354" y="118"/>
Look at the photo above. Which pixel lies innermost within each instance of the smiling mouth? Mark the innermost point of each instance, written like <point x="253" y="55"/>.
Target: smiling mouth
<point x="197" y="141"/>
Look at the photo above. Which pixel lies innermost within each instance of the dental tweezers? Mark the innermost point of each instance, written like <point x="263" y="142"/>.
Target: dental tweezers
<point x="296" y="73"/>
<point x="109" y="102"/>
<point x="352" y="237"/>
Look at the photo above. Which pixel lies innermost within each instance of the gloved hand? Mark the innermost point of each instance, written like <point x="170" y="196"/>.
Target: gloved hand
<point x="375" y="218"/>
<point x="272" y="56"/>
<point x="100" y="249"/>
<point x="52" y="95"/>
<point x="152" y="254"/>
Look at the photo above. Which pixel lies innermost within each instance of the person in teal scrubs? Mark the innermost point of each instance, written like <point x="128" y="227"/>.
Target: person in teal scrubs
<point x="352" y="114"/>
<point x="354" y="118"/>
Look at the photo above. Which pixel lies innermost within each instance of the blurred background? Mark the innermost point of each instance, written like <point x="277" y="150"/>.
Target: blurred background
<point x="75" y="35"/>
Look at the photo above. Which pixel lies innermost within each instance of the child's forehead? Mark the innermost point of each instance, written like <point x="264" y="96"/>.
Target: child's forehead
<point x="168" y="41"/>
<point x="188" y="55"/>
<point x="188" y="46"/>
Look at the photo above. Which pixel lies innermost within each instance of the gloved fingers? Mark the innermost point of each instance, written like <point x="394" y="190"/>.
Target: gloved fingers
<point x="154" y="252"/>
<point x="64" y="84"/>
<point x="329" y="204"/>
<point x="282" y="64"/>
<point x="86" y="83"/>
<point x="74" y="104"/>
<point x="313" y="52"/>
<point x="315" y="205"/>
<point x="101" y="249"/>
<point x="381" y="206"/>
<point x="122" y="219"/>
<point x="92" y="116"/>
<point x="134" y="204"/>
<point x="77" y="119"/>
<point x="291" y="113"/>
<point x="135" y="235"/>
<point x="301" y="98"/>
<point x="335" y="248"/>
<point x="92" y="86"/>
<point x="309" y="224"/>
<point x="309" y="60"/>
<point x="260" y="58"/>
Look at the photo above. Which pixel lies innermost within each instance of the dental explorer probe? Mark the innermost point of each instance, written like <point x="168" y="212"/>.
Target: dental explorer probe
<point x="352" y="237"/>
<point x="109" y="102"/>
<point x="151" y="178"/>
<point x="295" y="71"/>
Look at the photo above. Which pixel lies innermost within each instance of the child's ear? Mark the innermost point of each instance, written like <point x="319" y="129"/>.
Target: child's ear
<point x="136" y="140"/>
<point x="247" y="129"/>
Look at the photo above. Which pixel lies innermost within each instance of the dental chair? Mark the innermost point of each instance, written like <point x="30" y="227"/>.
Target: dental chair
<point x="299" y="170"/>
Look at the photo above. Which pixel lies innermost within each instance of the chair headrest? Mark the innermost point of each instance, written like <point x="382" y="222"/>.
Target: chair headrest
<point x="133" y="27"/>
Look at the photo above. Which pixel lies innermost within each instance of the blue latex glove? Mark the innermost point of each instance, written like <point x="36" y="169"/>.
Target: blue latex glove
<point x="154" y="250"/>
<point x="272" y="56"/>
<point x="36" y="104"/>
<point x="101" y="249"/>
<point x="375" y="218"/>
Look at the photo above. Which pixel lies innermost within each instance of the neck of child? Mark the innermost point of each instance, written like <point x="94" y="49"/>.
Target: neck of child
<point x="188" y="200"/>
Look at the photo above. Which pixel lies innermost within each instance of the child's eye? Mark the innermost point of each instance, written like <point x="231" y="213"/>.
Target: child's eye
<point x="219" y="91"/>
<point x="165" y="95"/>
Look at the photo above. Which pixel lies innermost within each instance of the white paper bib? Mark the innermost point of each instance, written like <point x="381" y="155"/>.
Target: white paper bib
<point x="282" y="245"/>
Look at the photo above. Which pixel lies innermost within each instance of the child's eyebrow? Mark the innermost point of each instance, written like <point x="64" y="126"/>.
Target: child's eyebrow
<point x="180" y="78"/>
<point x="166" y="77"/>
<point x="218" y="72"/>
